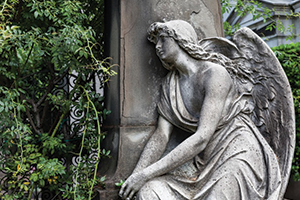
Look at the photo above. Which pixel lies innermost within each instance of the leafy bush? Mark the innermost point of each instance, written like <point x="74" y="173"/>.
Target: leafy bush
<point x="51" y="66"/>
<point x="241" y="8"/>
<point x="289" y="57"/>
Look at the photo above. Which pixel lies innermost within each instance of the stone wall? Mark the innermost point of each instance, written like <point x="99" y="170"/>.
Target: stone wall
<point x="132" y="94"/>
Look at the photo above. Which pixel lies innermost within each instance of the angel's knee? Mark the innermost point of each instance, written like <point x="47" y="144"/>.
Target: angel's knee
<point x="148" y="191"/>
<point x="156" y="189"/>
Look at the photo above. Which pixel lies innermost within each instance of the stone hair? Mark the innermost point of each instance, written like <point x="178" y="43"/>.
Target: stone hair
<point x="235" y="66"/>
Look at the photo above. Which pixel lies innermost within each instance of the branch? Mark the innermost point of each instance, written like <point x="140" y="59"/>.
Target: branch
<point x="28" y="54"/>
<point x="33" y="104"/>
<point x="19" y="11"/>
<point x="55" y="122"/>
<point x="50" y="87"/>
<point x="36" y="112"/>
<point x="31" y="120"/>
<point x="61" y="77"/>
<point x="52" y="71"/>
<point x="58" y="124"/>
<point x="45" y="109"/>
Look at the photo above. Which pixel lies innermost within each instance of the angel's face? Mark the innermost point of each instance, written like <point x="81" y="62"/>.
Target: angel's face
<point x="166" y="48"/>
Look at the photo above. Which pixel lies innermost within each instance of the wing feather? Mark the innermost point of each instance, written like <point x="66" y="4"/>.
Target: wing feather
<point x="257" y="71"/>
<point x="274" y="110"/>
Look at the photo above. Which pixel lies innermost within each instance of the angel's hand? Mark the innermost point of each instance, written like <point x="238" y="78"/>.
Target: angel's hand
<point x="132" y="185"/>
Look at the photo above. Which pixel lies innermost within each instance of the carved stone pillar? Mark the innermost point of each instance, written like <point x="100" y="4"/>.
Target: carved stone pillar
<point x="133" y="93"/>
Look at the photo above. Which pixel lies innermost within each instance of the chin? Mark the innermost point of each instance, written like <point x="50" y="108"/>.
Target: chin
<point x="166" y="59"/>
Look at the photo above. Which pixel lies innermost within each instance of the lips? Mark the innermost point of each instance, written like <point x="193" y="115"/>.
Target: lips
<point x="159" y="52"/>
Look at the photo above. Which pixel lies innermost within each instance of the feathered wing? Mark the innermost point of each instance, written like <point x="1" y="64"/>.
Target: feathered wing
<point x="261" y="74"/>
<point x="273" y="112"/>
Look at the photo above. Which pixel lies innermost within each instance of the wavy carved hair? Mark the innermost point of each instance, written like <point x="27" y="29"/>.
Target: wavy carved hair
<point x="188" y="42"/>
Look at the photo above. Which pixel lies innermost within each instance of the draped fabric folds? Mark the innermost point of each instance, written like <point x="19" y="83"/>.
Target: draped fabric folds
<point x="238" y="163"/>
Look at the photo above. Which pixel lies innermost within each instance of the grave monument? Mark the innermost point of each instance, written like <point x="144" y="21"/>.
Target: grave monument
<point x="222" y="104"/>
<point x="234" y="103"/>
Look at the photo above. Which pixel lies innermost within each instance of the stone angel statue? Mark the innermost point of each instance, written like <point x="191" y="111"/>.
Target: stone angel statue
<point x="233" y="103"/>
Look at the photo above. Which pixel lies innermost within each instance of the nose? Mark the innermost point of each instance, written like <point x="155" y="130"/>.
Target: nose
<point x="158" y="45"/>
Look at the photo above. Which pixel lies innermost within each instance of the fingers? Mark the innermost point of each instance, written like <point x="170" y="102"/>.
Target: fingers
<point x="126" y="192"/>
<point x="121" y="193"/>
<point x="131" y="194"/>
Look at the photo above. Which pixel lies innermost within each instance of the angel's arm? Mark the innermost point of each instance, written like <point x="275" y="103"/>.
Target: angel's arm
<point x="217" y="86"/>
<point x="156" y="145"/>
<point x="153" y="151"/>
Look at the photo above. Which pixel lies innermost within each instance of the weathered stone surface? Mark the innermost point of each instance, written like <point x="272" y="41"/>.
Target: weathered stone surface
<point x="292" y="192"/>
<point x="234" y="105"/>
<point x="140" y="70"/>
<point x="133" y="94"/>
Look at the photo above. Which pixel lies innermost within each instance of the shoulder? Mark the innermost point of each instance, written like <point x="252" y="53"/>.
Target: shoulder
<point x="215" y="72"/>
<point x="216" y="77"/>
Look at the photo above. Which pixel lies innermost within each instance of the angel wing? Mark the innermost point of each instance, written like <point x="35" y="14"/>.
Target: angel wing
<point x="273" y="112"/>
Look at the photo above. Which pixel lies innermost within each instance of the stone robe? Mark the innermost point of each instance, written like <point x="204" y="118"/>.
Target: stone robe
<point x="237" y="164"/>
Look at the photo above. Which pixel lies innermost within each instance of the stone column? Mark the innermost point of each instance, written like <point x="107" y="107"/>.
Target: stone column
<point x="132" y="94"/>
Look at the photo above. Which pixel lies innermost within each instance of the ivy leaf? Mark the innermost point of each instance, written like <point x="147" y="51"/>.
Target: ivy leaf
<point x="36" y="14"/>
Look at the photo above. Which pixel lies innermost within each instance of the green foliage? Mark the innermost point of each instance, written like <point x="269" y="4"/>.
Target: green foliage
<point x="42" y="44"/>
<point x="289" y="57"/>
<point x="119" y="184"/>
<point x="257" y="10"/>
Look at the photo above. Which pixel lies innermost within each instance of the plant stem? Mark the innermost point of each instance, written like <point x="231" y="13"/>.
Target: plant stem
<point x="82" y="144"/>
<point x="96" y="167"/>
<point x="31" y="191"/>
<point x="3" y="7"/>
<point x="99" y="145"/>
<point x="80" y="153"/>
<point x="57" y="125"/>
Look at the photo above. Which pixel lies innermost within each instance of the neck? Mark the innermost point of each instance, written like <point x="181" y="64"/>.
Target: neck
<point x="186" y="65"/>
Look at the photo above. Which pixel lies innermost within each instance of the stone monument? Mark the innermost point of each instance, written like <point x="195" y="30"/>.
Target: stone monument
<point x="133" y="95"/>
<point x="234" y="104"/>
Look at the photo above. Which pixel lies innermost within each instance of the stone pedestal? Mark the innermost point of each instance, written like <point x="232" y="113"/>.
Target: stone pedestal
<point x="293" y="192"/>
<point x="132" y="94"/>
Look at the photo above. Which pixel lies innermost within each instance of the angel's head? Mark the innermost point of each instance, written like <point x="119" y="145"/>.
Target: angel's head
<point x="181" y="31"/>
<point x="185" y="37"/>
<point x="175" y="34"/>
